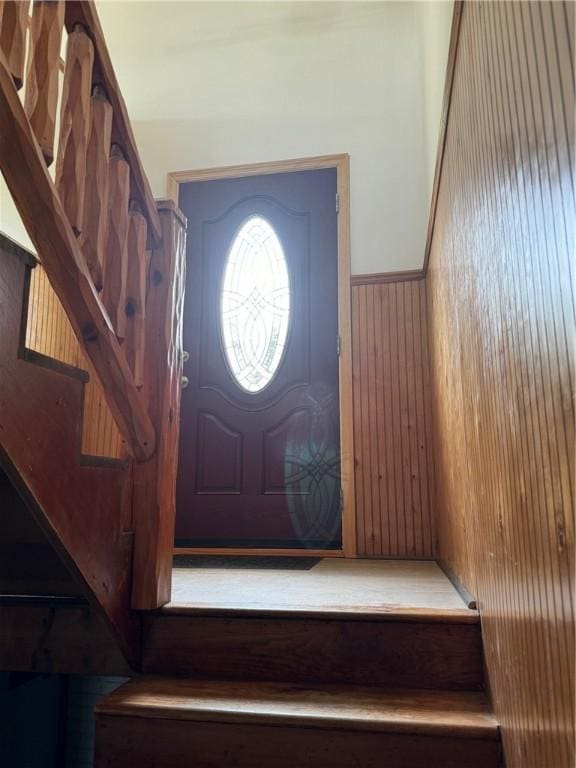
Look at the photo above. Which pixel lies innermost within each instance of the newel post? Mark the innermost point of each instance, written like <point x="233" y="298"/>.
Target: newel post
<point x="154" y="504"/>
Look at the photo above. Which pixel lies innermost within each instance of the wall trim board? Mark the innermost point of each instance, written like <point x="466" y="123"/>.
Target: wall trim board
<point x="469" y="599"/>
<point x="264" y="552"/>
<point x="341" y="163"/>
<point x="15" y="249"/>
<point x="446" y="102"/>
<point x="376" y="278"/>
<point x="175" y="178"/>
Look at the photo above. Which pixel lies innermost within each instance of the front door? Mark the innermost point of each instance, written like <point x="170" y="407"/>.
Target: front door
<point x="259" y="460"/>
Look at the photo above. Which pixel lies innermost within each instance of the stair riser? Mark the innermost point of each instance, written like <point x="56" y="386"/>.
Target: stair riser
<point x="150" y="743"/>
<point x="390" y="653"/>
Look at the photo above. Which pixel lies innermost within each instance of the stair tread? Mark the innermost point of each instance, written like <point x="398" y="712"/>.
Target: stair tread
<point x="382" y="613"/>
<point x="465" y="714"/>
<point x="333" y="587"/>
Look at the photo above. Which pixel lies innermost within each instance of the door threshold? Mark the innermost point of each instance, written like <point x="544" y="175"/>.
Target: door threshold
<point x="256" y="552"/>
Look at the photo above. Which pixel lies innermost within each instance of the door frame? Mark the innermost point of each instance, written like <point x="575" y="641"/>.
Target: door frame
<point x="342" y="165"/>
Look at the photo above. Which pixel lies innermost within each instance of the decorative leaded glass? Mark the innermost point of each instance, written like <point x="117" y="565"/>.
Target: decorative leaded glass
<point x="255" y="304"/>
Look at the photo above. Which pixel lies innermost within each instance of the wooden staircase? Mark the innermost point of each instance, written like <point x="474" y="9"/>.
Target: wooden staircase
<point x="236" y="687"/>
<point x="219" y="688"/>
<point x="42" y="606"/>
<point x="82" y="510"/>
<point x="114" y="259"/>
<point x="153" y="722"/>
<point x="272" y="689"/>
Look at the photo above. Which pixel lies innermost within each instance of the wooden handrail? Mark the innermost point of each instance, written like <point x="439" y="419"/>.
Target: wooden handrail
<point x="41" y="210"/>
<point x="83" y="12"/>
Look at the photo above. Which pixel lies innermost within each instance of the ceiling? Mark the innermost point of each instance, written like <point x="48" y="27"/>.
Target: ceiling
<point x="162" y="51"/>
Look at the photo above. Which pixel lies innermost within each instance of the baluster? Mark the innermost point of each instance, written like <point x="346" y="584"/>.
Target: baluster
<point x="75" y="125"/>
<point x="115" y="256"/>
<point x="41" y="97"/>
<point x="94" y="226"/>
<point x="138" y="261"/>
<point x="13" y="18"/>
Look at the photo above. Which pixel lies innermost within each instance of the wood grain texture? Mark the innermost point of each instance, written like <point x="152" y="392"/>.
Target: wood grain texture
<point x="42" y="213"/>
<point x="95" y="224"/>
<point x="334" y="586"/>
<point x="136" y="285"/>
<point x="29" y="565"/>
<point x="397" y="651"/>
<point x="48" y="332"/>
<point x="122" y="741"/>
<point x="428" y="713"/>
<point x="155" y="480"/>
<point x="84" y="12"/>
<point x="175" y="178"/>
<point x="375" y="278"/>
<point x="75" y="126"/>
<point x="42" y="72"/>
<point x="115" y="267"/>
<point x="13" y="25"/>
<point x="392" y="416"/>
<point x="346" y="391"/>
<point x="81" y="509"/>
<point x="56" y="638"/>
<point x="501" y="321"/>
<point x="262" y="551"/>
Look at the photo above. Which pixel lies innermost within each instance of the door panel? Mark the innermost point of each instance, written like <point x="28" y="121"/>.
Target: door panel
<point x="219" y="466"/>
<point x="261" y="468"/>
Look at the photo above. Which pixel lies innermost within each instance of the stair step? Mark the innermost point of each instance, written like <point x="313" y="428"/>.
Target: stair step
<point x="56" y="635"/>
<point x="429" y="713"/>
<point x="332" y="585"/>
<point x="155" y="721"/>
<point x="405" y="648"/>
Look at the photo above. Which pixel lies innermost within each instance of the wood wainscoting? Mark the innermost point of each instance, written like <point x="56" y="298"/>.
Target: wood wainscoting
<point x="49" y="333"/>
<point x="501" y="322"/>
<point x="392" y="421"/>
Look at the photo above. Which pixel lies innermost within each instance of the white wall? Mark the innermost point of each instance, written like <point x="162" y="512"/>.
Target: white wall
<point x="229" y="83"/>
<point x="220" y="83"/>
<point x="435" y="21"/>
<point x="10" y="221"/>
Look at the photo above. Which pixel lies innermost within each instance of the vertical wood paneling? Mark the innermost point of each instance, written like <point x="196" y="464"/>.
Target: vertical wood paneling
<point x="49" y="332"/>
<point x="502" y="329"/>
<point x="391" y="419"/>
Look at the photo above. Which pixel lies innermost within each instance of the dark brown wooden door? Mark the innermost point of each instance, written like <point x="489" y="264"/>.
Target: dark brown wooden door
<point x="259" y="461"/>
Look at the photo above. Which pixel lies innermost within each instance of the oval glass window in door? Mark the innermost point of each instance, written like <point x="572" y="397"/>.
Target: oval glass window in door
<point x="255" y="305"/>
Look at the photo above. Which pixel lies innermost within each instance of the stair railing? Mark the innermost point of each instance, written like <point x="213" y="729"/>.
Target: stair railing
<point x="113" y="256"/>
<point x="95" y="224"/>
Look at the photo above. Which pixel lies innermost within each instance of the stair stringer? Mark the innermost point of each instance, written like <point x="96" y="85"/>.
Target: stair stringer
<point x="81" y="508"/>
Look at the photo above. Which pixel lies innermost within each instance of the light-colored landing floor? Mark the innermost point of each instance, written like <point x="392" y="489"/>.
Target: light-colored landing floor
<point x="332" y="585"/>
